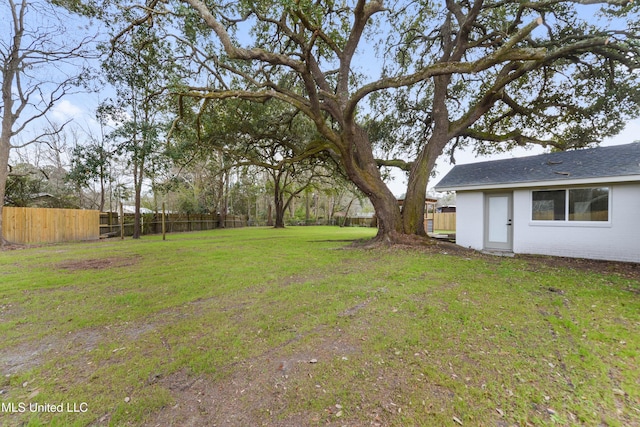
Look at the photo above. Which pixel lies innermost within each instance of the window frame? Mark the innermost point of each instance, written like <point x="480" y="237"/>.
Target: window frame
<point x="566" y="221"/>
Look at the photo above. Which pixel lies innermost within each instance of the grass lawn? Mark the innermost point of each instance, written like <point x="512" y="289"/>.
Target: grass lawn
<point x="249" y="327"/>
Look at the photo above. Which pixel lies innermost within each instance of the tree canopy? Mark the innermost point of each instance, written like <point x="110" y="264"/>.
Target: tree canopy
<point x="494" y="74"/>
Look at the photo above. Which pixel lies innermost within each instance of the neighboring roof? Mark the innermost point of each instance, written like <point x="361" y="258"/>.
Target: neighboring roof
<point x="602" y="164"/>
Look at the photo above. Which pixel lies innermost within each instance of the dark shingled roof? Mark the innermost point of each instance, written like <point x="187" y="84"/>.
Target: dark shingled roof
<point x="600" y="162"/>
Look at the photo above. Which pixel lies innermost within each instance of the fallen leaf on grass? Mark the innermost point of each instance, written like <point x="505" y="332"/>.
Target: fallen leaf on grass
<point x="457" y="420"/>
<point x="618" y="392"/>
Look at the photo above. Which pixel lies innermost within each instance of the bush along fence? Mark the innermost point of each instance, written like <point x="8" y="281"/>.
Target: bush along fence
<point x="48" y="225"/>
<point x="110" y="225"/>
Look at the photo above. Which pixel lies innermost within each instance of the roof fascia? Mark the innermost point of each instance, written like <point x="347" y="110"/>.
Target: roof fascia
<point x="553" y="183"/>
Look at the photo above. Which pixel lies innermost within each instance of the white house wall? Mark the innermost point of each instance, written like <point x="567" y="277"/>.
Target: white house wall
<point x="470" y="219"/>
<point x="618" y="240"/>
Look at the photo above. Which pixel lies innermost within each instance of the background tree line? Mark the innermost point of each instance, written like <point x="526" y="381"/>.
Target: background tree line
<point x="78" y="170"/>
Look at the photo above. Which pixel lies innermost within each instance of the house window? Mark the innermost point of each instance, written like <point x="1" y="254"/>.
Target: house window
<point x="577" y="204"/>
<point x="549" y="205"/>
<point x="589" y="204"/>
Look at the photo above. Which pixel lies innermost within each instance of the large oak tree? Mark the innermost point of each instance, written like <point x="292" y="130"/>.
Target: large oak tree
<point x="491" y="73"/>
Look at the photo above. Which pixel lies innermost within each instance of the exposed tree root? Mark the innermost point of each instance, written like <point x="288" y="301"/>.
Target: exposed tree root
<point x="394" y="239"/>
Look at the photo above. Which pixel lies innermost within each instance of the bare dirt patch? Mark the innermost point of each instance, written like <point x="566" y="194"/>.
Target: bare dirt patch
<point x="98" y="264"/>
<point x="627" y="270"/>
<point x="31" y="354"/>
<point x="254" y="391"/>
<point x="23" y="357"/>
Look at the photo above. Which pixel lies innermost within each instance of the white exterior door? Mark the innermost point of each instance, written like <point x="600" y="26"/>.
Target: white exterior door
<point x="498" y="229"/>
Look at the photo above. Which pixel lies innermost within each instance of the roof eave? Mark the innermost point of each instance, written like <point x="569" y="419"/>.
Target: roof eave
<point x="549" y="183"/>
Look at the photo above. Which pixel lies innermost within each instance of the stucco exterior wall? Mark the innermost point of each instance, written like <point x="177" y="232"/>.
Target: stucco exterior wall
<point x="616" y="240"/>
<point x="470" y="219"/>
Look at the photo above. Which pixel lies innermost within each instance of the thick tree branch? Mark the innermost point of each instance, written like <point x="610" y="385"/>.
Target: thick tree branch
<point x="236" y="52"/>
<point x="362" y="12"/>
<point x="516" y="136"/>
<point x="507" y="52"/>
<point x="395" y="163"/>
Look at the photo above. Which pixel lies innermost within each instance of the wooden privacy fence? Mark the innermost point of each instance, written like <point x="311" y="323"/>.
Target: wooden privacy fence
<point x="174" y="223"/>
<point x="45" y="225"/>
<point x="440" y="221"/>
<point x="445" y="221"/>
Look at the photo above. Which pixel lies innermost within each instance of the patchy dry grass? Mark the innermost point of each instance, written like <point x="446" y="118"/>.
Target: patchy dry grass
<point x="285" y="328"/>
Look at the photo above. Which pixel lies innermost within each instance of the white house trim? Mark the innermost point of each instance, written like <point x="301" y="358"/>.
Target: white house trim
<point x="535" y="184"/>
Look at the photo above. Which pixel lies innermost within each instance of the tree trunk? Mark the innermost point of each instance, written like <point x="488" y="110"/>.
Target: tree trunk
<point x="102" y="189"/>
<point x="137" y="183"/>
<point x="279" y="205"/>
<point x="11" y="66"/>
<point x="413" y="209"/>
<point x="331" y="206"/>
<point x="278" y="201"/>
<point x="4" y="172"/>
<point x="414" y="202"/>
<point x="306" y="208"/>
<point x="224" y="201"/>
<point x="269" y="216"/>
<point x="346" y="213"/>
<point x="362" y="170"/>
<point x="413" y="205"/>
<point x="315" y="207"/>
<point x="5" y="144"/>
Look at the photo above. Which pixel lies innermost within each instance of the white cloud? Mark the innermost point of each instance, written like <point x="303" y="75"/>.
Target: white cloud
<point x="64" y="110"/>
